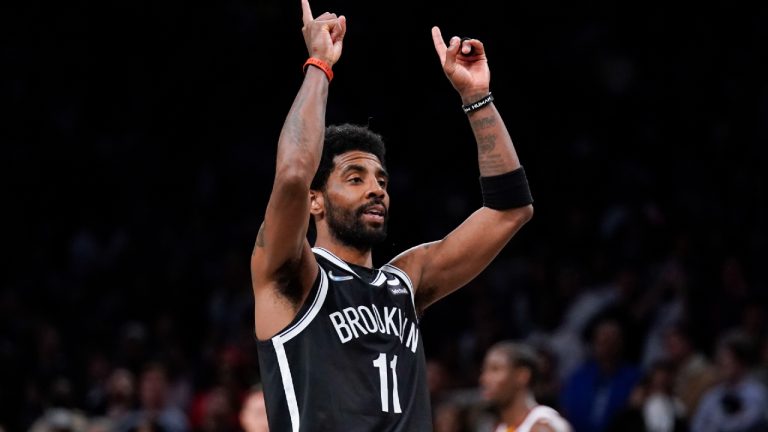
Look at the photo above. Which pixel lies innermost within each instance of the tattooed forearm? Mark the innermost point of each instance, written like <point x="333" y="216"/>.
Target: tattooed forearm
<point x="483" y="123"/>
<point x="490" y="157"/>
<point x="486" y="143"/>
<point x="260" y="237"/>
<point x="495" y="151"/>
<point x="493" y="164"/>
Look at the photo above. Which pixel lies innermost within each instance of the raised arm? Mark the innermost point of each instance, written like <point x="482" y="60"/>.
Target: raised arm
<point x="282" y="265"/>
<point x="441" y="267"/>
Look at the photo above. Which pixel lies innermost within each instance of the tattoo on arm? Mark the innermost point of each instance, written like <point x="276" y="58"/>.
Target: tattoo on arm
<point x="492" y="164"/>
<point x="483" y="123"/>
<point x="303" y="129"/>
<point x="486" y="143"/>
<point x="260" y="237"/>
<point x="491" y="146"/>
<point x="293" y="129"/>
<point x="490" y="160"/>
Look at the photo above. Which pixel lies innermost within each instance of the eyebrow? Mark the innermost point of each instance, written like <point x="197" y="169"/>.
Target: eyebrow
<point x="380" y="172"/>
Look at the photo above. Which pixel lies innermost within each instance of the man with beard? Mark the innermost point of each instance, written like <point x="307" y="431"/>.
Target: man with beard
<point x="339" y="342"/>
<point x="509" y="373"/>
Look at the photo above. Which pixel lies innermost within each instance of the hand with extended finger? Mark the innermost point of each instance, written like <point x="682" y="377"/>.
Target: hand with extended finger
<point x="323" y="35"/>
<point x="465" y="64"/>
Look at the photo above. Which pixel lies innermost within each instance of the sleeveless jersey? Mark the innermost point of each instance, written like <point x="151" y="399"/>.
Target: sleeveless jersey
<point x="352" y="360"/>
<point x="541" y="413"/>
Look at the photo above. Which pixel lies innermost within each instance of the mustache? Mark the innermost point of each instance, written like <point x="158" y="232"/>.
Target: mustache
<point x="374" y="202"/>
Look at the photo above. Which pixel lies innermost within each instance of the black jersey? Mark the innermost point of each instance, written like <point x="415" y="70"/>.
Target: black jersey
<point x="352" y="359"/>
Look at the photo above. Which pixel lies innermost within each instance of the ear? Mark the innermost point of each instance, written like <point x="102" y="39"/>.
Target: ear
<point x="523" y="377"/>
<point x="316" y="203"/>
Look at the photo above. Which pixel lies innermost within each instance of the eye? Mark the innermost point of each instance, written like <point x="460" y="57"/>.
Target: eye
<point x="355" y="180"/>
<point x="383" y="183"/>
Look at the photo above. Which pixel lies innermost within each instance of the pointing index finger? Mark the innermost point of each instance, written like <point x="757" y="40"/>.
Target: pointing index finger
<point x="306" y="12"/>
<point x="437" y="39"/>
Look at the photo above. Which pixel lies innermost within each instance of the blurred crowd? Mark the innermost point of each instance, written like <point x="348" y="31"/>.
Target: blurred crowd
<point x="137" y="165"/>
<point x="623" y="345"/>
<point x="681" y="389"/>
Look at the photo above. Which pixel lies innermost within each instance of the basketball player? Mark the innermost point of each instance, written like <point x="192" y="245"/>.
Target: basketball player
<point x="339" y="341"/>
<point x="509" y="372"/>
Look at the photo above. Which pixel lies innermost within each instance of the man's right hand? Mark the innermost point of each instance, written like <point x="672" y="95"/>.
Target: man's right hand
<point x="324" y="34"/>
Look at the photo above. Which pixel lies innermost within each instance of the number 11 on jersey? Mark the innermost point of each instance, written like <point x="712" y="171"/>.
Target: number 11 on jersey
<point x="381" y="364"/>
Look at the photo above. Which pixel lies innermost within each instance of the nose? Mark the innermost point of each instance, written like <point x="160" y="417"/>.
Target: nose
<point x="376" y="191"/>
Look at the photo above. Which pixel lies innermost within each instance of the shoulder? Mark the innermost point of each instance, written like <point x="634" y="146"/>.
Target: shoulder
<point x="397" y="272"/>
<point x="411" y="261"/>
<point x="547" y="419"/>
<point x="543" y="426"/>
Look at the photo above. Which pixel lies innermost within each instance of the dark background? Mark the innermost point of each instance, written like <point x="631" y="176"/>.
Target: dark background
<point x="138" y="144"/>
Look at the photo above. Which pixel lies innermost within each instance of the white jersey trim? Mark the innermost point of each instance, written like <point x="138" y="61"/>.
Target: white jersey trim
<point x="311" y="313"/>
<point x="404" y="276"/>
<point x="285" y="374"/>
<point x="339" y="262"/>
<point x="380" y="279"/>
<point x="282" y="359"/>
<point x="334" y="259"/>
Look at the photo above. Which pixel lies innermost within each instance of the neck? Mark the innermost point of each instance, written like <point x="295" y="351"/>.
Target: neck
<point x="345" y="252"/>
<point x="514" y="413"/>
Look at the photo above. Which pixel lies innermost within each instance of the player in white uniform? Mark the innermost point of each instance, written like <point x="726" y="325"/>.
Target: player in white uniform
<point x="509" y="371"/>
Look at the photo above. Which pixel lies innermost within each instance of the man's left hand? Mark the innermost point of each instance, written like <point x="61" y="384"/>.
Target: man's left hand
<point x="465" y="65"/>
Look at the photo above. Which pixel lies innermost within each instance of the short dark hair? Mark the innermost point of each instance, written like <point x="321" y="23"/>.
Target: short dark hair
<point x="341" y="139"/>
<point x="521" y="355"/>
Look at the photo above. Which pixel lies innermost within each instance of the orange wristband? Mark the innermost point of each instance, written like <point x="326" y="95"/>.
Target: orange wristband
<point x="323" y="66"/>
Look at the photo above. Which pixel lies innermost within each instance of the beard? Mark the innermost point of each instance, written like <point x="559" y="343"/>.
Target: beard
<point x="348" y="226"/>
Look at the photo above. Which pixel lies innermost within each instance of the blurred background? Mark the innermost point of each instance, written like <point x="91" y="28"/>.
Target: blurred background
<point x="137" y="152"/>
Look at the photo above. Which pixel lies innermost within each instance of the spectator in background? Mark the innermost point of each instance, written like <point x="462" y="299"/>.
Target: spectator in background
<point x="653" y="406"/>
<point x="438" y="380"/>
<point x="662" y="410"/>
<point x="253" y="415"/>
<point x="510" y="371"/>
<point x="225" y="393"/>
<point x="666" y="300"/>
<point x="60" y="420"/>
<point x="599" y="388"/>
<point x="154" y="413"/>
<point x="60" y="415"/>
<point x="565" y="340"/>
<point x="450" y="417"/>
<point x="547" y="387"/>
<point x="98" y="371"/>
<point x="739" y="403"/>
<point x="218" y="412"/>
<point x="119" y="400"/>
<point x="694" y="375"/>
